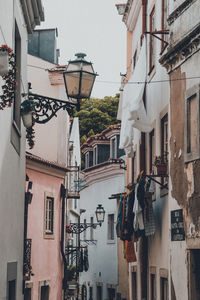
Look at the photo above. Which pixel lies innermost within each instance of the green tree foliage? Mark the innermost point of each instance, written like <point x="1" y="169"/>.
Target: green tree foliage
<point x="95" y="115"/>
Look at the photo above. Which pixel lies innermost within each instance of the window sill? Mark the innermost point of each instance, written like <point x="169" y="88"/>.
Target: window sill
<point x="110" y="241"/>
<point x="49" y="236"/>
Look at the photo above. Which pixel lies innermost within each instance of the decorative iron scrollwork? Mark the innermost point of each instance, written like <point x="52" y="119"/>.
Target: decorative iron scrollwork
<point x="77" y="228"/>
<point x="27" y="259"/>
<point x="46" y="107"/>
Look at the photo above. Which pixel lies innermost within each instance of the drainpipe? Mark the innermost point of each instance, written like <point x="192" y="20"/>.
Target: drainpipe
<point x="62" y="242"/>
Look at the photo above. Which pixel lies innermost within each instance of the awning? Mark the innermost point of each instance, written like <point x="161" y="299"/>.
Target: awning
<point x="133" y="113"/>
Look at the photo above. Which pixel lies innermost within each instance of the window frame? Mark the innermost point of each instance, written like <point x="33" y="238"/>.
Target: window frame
<point x="190" y="94"/>
<point x="164" y="277"/>
<point x="151" y="274"/>
<point x="134" y="281"/>
<point x="164" y="25"/>
<point x="16" y="107"/>
<point x="152" y="42"/>
<point x="111" y="229"/>
<point x="152" y="150"/>
<point x="95" y="155"/>
<point x="49" y="233"/>
<point x="113" y="143"/>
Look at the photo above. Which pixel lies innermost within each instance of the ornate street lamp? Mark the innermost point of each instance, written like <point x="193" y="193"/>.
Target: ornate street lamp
<point x="77" y="228"/>
<point x="79" y="79"/>
<point x="100" y="214"/>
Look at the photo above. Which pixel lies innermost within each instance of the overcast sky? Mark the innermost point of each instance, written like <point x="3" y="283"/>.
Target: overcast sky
<point x="95" y="28"/>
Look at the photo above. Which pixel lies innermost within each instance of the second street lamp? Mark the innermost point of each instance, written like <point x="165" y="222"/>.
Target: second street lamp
<point x="77" y="228"/>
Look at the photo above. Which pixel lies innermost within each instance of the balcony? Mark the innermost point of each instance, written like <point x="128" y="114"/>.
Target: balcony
<point x="27" y="269"/>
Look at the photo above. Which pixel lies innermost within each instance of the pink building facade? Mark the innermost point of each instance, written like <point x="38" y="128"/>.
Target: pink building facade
<point x="44" y="229"/>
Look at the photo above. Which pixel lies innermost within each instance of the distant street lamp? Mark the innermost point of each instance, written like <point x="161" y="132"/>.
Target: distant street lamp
<point x="100" y="214"/>
<point x="79" y="79"/>
<point x="77" y="228"/>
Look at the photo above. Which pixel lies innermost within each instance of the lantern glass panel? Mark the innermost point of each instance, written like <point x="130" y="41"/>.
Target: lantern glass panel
<point x="72" y="83"/>
<point x="86" y="84"/>
<point x="87" y="68"/>
<point x="74" y="66"/>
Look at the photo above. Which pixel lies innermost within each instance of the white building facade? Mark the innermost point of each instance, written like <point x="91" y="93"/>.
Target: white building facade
<point x="16" y="20"/>
<point x="103" y="178"/>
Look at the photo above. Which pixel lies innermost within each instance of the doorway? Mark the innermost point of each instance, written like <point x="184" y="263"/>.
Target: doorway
<point x="194" y="274"/>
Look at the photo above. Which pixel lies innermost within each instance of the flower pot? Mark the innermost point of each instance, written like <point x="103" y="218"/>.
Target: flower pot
<point x="27" y="119"/>
<point x="4" y="65"/>
<point x="161" y="169"/>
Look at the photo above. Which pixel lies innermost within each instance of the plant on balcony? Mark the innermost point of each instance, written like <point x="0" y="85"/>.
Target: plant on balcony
<point x="161" y="163"/>
<point x="71" y="270"/>
<point x="8" y="73"/>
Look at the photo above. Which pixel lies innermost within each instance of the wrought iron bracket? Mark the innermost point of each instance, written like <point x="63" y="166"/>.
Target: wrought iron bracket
<point x="46" y="108"/>
<point x="152" y="177"/>
<point x="77" y="228"/>
<point x="153" y="33"/>
<point x="69" y="249"/>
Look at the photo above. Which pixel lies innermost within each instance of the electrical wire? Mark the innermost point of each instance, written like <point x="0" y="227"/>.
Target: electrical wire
<point x="132" y="82"/>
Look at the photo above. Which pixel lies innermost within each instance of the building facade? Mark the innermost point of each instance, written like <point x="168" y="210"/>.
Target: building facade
<point x="166" y="80"/>
<point x="16" y="21"/>
<point x="104" y="182"/>
<point x="47" y="169"/>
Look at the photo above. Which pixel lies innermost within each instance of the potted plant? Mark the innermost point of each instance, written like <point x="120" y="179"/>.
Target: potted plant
<point x="70" y="272"/>
<point x="5" y="51"/>
<point x="161" y="164"/>
<point x="27" y="110"/>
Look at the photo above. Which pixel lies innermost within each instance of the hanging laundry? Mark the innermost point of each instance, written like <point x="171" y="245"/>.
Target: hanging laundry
<point x="130" y="251"/>
<point x="149" y="221"/>
<point x="138" y="223"/>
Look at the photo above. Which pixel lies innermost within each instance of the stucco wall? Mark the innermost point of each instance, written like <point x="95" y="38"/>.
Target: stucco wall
<point x="103" y="259"/>
<point x="46" y="258"/>
<point x="12" y="164"/>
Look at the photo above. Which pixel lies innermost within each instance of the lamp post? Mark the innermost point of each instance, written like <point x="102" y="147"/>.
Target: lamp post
<point x="79" y="78"/>
<point x="77" y="228"/>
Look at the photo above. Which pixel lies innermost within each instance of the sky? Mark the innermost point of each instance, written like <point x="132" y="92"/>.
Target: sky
<point x="95" y="28"/>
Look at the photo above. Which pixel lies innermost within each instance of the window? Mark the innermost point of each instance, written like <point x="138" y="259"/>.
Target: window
<point x="151" y="150"/>
<point x="91" y="229"/>
<point x="16" y="127"/>
<point x="163" y="284"/>
<point x="194" y="273"/>
<point x="90" y="293"/>
<point x="163" y="288"/>
<point x="111" y="294"/>
<point x="192" y="123"/>
<point x="95" y="156"/>
<point x="44" y="293"/>
<point x="99" y="292"/>
<point x="134" y="285"/>
<point x="87" y="160"/>
<point x="111" y="227"/>
<point x="49" y="214"/>
<point x="164" y="24"/>
<point x="12" y="290"/>
<point x="27" y="294"/>
<point x="164" y="135"/>
<point x="113" y="147"/>
<point x="152" y="41"/>
<point x="84" y="232"/>
<point x="153" y="286"/>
